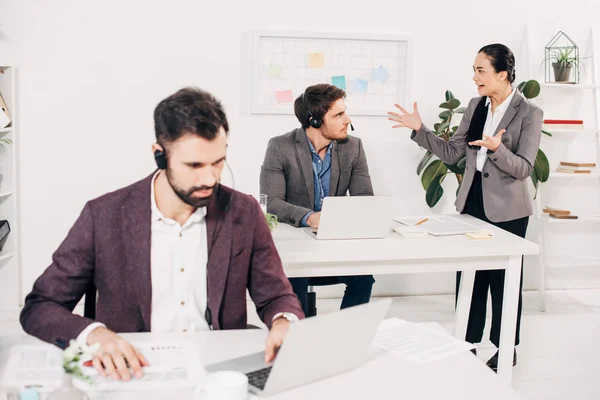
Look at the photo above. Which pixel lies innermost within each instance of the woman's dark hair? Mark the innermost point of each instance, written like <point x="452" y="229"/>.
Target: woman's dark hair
<point x="318" y="99"/>
<point x="190" y="110"/>
<point x="501" y="58"/>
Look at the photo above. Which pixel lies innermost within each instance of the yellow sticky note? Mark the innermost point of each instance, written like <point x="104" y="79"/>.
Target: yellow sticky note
<point x="315" y="60"/>
<point x="274" y="71"/>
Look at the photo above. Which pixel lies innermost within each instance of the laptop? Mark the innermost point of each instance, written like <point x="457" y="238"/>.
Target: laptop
<point x="314" y="348"/>
<point x="354" y="217"/>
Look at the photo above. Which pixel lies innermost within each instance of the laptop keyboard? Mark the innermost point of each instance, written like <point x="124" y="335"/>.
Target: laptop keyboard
<point x="259" y="378"/>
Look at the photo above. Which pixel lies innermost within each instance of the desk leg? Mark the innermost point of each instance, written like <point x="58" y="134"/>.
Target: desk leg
<point x="465" y="294"/>
<point x="510" y="304"/>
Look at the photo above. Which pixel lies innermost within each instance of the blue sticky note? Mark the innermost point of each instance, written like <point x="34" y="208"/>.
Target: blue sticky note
<point x="360" y="85"/>
<point x="380" y="74"/>
<point x="339" y="81"/>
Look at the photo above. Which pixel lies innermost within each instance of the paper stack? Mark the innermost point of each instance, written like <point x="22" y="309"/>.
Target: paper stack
<point x="409" y="231"/>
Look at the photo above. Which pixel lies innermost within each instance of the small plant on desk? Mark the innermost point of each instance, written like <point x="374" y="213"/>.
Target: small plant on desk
<point x="272" y="221"/>
<point x="72" y="356"/>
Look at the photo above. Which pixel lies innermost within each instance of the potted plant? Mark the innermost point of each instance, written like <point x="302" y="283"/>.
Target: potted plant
<point x="272" y="221"/>
<point x="433" y="171"/>
<point x="563" y="60"/>
<point x="72" y="357"/>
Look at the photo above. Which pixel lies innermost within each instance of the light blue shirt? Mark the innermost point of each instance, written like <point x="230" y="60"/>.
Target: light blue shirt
<point x="321" y="178"/>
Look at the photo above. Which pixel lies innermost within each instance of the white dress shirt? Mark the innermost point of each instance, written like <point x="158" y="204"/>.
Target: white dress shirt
<point x="491" y="124"/>
<point x="178" y="258"/>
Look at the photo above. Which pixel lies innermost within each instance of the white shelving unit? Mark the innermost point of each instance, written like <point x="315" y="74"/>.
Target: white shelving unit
<point x="10" y="272"/>
<point x="592" y="90"/>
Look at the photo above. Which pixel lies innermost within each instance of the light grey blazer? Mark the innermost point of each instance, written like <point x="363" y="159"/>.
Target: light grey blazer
<point x="505" y="173"/>
<point x="286" y="175"/>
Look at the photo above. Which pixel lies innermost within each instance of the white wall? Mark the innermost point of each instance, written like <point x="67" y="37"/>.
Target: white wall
<point x="91" y="74"/>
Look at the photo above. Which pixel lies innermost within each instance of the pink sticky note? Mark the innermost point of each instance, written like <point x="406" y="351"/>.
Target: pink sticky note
<point x="284" y="96"/>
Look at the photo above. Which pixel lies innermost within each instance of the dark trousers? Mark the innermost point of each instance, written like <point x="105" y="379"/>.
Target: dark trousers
<point x="492" y="279"/>
<point x="358" y="288"/>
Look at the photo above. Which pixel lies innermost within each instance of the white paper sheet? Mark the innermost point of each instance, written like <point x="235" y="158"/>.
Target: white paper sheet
<point x="171" y="365"/>
<point x="439" y="225"/>
<point x="415" y="342"/>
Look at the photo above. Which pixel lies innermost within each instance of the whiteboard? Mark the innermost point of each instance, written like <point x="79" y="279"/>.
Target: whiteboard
<point x="374" y="70"/>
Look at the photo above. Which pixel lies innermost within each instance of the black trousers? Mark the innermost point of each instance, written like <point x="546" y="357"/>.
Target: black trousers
<point x="492" y="279"/>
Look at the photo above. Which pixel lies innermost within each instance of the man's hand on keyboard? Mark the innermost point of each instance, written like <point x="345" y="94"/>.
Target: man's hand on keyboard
<point x="276" y="335"/>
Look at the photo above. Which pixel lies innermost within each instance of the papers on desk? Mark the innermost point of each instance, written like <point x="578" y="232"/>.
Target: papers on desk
<point x="409" y="231"/>
<point x="171" y="365"/>
<point x="415" y="342"/>
<point x="439" y="225"/>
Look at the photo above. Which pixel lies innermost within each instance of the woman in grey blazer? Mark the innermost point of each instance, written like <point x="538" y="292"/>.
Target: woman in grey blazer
<point x="499" y="135"/>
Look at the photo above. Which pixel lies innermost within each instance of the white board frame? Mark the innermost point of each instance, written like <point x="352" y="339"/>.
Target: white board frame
<point x="257" y="108"/>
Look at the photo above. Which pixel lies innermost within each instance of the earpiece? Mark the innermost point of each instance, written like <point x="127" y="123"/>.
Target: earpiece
<point x="315" y="123"/>
<point x="161" y="159"/>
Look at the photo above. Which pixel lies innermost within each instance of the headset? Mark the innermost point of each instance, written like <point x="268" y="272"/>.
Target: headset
<point x="314" y="122"/>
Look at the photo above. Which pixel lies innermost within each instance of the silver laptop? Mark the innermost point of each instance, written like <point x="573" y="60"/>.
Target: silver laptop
<point x="354" y="217"/>
<point x="314" y="348"/>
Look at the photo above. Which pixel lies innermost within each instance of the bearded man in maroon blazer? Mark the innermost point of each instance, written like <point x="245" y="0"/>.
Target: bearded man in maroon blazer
<point x="173" y="252"/>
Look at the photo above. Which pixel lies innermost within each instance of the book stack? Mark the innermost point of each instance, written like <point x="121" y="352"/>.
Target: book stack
<point x="558" y="213"/>
<point x="5" y="119"/>
<point x="563" y="124"/>
<point x="575" y="167"/>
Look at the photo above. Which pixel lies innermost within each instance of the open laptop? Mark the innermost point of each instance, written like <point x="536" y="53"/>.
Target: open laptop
<point x="314" y="348"/>
<point x="354" y="217"/>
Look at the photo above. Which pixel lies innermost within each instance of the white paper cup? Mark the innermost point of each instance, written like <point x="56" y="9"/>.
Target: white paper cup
<point x="224" y="385"/>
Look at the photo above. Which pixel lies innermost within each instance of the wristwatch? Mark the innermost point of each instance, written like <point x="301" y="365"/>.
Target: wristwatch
<point x="291" y="318"/>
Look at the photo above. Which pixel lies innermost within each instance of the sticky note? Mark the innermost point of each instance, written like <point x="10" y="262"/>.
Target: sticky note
<point x="274" y="71"/>
<point x="360" y="85"/>
<point x="339" y="81"/>
<point x="380" y="74"/>
<point x="315" y="60"/>
<point x="284" y="96"/>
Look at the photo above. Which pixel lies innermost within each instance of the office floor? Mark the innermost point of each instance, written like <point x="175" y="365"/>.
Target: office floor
<point x="559" y="354"/>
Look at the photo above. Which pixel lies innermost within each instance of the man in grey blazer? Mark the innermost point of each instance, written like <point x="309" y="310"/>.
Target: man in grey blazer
<point x="312" y="162"/>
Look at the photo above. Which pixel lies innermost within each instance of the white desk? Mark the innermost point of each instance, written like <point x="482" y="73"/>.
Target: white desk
<point x="304" y="256"/>
<point x="460" y="377"/>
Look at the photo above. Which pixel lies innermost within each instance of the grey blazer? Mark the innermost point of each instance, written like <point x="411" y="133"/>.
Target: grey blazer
<point x="505" y="194"/>
<point x="286" y="175"/>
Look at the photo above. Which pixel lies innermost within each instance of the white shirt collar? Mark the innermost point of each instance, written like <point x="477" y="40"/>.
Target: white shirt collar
<point x="501" y="108"/>
<point x="157" y="215"/>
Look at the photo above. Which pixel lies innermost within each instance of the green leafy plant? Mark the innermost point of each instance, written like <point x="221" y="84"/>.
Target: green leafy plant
<point x="272" y="221"/>
<point x="433" y="171"/>
<point x="541" y="169"/>
<point x="563" y="56"/>
<point x="72" y="356"/>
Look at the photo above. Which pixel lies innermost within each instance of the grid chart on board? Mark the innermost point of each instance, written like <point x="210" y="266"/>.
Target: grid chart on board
<point x="374" y="73"/>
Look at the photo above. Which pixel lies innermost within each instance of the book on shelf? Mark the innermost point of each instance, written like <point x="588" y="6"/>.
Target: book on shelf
<point x="563" y="124"/>
<point x="573" y="171"/>
<point x="576" y="165"/>
<point x="564" y="121"/>
<point x="560" y="216"/>
<point x="5" y="118"/>
<point x="556" y="211"/>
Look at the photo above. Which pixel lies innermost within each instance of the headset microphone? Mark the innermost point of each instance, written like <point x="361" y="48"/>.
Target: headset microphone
<point x="351" y="127"/>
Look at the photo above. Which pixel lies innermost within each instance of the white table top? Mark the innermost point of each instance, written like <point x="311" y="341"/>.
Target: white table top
<point x="385" y="376"/>
<point x="298" y="250"/>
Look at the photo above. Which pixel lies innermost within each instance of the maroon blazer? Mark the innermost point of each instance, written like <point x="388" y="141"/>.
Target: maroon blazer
<point x="109" y="245"/>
